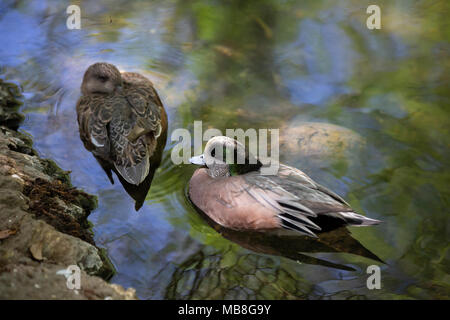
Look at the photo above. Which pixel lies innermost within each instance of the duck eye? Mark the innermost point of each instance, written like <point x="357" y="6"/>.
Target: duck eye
<point x="213" y="153"/>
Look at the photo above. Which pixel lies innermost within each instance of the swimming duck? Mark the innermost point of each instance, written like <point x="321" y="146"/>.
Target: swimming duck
<point x="238" y="196"/>
<point x="122" y="122"/>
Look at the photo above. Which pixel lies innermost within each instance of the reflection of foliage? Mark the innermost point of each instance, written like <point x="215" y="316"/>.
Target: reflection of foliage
<point x="169" y="179"/>
<point x="396" y="101"/>
<point x="236" y="62"/>
<point x="402" y="176"/>
<point x="247" y="277"/>
<point x="223" y="270"/>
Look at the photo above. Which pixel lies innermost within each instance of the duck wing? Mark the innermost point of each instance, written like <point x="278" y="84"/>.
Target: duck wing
<point x="300" y="203"/>
<point x="104" y="124"/>
<point x="93" y="114"/>
<point x="131" y="158"/>
<point x="297" y="176"/>
<point x="286" y="206"/>
<point x="145" y="104"/>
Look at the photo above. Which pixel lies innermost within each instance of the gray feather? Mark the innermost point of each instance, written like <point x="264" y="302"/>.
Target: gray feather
<point x="135" y="174"/>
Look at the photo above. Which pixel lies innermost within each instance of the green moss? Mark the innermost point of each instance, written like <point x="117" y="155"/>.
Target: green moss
<point x="107" y="271"/>
<point x="52" y="169"/>
<point x="87" y="202"/>
<point x="9" y="105"/>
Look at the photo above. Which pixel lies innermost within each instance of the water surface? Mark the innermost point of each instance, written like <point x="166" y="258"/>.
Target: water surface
<point x="256" y="64"/>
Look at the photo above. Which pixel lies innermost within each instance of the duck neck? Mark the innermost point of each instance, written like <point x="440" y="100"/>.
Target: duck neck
<point x="219" y="171"/>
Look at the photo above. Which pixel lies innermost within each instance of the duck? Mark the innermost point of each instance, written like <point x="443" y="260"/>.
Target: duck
<point x="122" y="122"/>
<point x="238" y="196"/>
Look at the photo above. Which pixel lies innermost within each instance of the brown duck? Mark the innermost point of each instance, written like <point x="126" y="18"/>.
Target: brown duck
<point x="122" y="122"/>
<point x="239" y="197"/>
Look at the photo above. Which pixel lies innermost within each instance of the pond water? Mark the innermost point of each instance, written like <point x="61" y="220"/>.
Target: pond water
<point x="256" y="64"/>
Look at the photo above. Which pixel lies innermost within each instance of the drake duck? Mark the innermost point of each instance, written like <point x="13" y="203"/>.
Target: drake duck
<point x="122" y="122"/>
<point x="239" y="197"/>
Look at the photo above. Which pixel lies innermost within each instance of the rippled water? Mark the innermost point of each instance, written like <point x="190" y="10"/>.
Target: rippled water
<point x="256" y="64"/>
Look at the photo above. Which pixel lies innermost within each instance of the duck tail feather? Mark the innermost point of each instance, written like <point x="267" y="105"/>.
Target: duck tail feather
<point x="296" y="226"/>
<point x="357" y="220"/>
<point x="135" y="174"/>
<point x="297" y="216"/>
<point x="295" y="205"/>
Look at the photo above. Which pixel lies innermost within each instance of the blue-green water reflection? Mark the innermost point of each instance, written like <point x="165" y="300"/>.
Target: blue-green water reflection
<point x="256" y="64"/>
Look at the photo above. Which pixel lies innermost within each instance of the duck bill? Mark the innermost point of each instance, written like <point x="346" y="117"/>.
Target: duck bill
<point x="198" y="160"/>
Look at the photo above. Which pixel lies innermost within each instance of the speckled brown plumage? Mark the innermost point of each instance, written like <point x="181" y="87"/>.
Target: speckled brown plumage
<point x="122" y="121"/>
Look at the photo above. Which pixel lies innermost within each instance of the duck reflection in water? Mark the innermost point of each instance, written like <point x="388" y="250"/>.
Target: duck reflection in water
<point x="123" y="123"/>
<point x="297" y="247"/>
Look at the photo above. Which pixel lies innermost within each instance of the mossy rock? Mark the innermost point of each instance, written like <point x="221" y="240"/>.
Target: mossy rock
<point x="54" y="171"/>
<point x="9" y="105"/>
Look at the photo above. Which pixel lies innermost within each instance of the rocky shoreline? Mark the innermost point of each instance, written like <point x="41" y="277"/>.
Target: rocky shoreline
<point x="43" y="222"/>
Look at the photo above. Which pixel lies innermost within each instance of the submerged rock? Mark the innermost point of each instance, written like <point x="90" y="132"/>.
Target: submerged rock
<point x="320" y="142"/>
<point x="332" y="155"/>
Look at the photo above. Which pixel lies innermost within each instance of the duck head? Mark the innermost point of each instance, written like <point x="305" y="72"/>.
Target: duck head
<point x="101" y="78"/>
<point x="224" y="157"/>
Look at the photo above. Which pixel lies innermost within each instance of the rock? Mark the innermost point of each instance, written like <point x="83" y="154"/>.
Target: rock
<point x="319" y="144"/>
<point x="65" y="249"/>
<point x="330" y="154"/>
<point x="10" y="103"/>
<point x="45" y="282"/>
